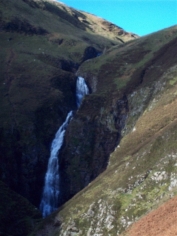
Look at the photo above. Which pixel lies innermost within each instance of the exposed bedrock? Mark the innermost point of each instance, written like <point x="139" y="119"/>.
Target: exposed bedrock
<point x="90" y="138"/>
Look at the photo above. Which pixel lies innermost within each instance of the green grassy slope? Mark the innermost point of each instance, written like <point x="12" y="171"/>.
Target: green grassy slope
<point x="142" y="170"/>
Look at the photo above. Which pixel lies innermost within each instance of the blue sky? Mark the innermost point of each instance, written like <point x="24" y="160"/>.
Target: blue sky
<point x="138" y="16"/>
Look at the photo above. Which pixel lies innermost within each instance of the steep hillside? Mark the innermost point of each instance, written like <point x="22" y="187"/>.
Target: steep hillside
<point x="42" y="45"/>
<point x="133" y="102"/>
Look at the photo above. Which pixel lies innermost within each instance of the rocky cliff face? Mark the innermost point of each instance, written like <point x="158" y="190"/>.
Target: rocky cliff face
<point x="91" y="136"/>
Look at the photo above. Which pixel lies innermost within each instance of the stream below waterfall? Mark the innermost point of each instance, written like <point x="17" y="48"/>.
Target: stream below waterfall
<point x="51" y="190"/>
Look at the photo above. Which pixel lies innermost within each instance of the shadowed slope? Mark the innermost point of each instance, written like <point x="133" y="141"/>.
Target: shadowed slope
<point x="18" y="216"/>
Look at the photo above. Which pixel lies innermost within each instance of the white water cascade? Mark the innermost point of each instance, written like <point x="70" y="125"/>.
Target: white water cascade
<point x="51" y="191"/>
<point x="49" y="202"/>
<point x="81" y="90"/>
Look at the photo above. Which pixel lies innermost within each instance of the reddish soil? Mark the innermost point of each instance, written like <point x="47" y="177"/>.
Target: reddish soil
<point x="159" y="222"/>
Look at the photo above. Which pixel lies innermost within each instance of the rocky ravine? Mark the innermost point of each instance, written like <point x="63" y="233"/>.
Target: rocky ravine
<point x="142" y="170"/>
<point x="45" y="46"/>
<point x="43" y="43"/>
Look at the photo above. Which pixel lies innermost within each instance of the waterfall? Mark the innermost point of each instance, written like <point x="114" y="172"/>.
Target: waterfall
<point x="81" y="90"/>
<point x="49" y="202"/>
<point x="51" y="191"/>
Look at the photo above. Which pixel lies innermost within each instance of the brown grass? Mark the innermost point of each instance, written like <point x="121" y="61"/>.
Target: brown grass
<point x="160" y="222"/>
